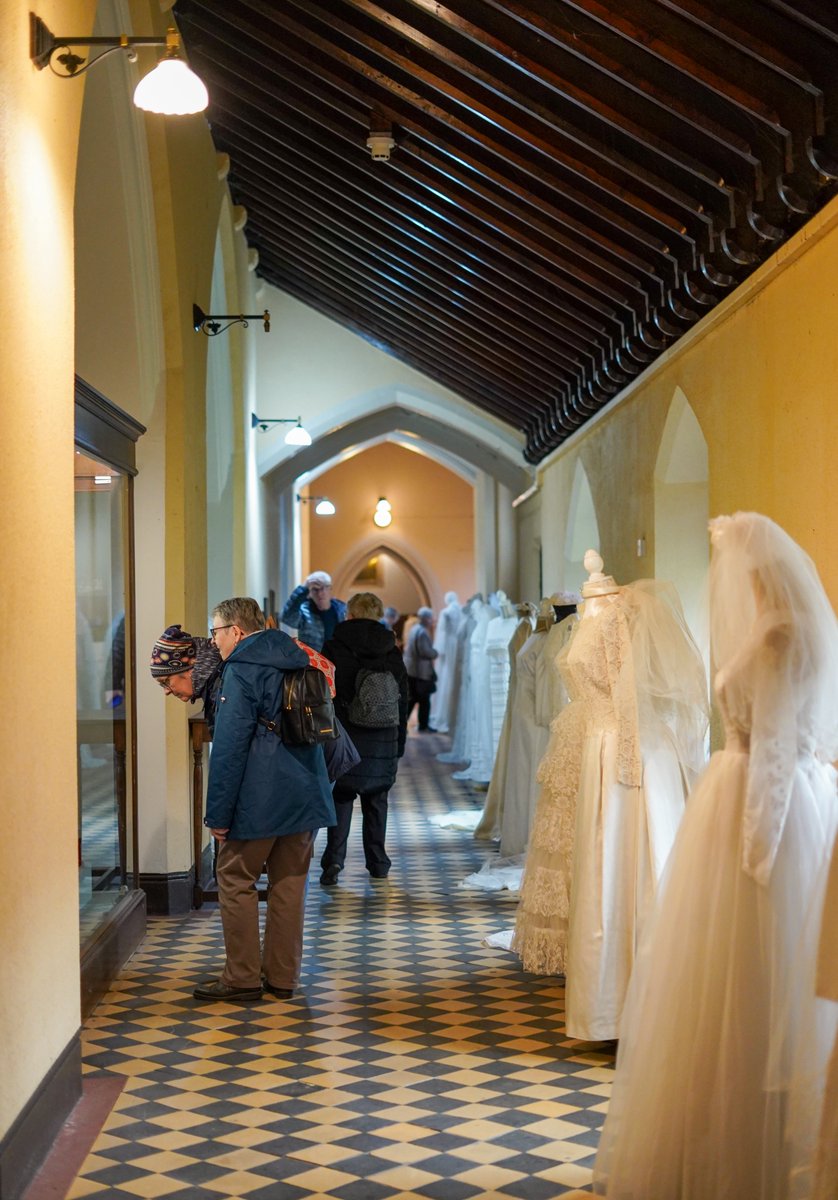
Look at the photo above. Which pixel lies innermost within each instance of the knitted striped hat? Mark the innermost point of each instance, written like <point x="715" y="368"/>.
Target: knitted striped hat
<point x="173" y="653"/>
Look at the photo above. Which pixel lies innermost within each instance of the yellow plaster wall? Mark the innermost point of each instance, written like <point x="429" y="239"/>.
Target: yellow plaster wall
<point x="761" y="374"/>
<point x="433" y="517"/>
<point x="39" y="966"/>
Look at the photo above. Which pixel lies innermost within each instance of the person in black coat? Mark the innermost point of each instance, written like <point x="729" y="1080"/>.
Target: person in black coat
<point x="362" y="642"/>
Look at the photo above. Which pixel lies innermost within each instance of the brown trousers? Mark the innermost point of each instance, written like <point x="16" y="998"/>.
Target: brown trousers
<point x="238" y="869"/>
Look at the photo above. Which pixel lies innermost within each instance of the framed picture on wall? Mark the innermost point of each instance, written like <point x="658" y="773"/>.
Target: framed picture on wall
<point x="370" y="575"/>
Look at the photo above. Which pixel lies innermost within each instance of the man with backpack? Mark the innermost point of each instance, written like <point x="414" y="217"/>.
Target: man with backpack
<point x="371" y="703"/>
<point x="266" y="799"/>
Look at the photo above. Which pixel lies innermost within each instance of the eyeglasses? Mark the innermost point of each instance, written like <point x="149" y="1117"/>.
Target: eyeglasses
<point x="165" y="686"/>
<point x="214" y="629"/>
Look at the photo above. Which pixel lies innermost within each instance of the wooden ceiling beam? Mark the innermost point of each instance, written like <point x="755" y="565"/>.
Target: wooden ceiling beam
<point x="445" y="294"/>
<point x="306" y="256"/>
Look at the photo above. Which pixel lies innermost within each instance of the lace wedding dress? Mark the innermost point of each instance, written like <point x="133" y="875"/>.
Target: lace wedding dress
<point x="722" y="1054"/>
<point x="614" y="780"/>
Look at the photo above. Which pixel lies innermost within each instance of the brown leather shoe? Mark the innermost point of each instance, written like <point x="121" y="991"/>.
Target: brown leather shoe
<point x="216" y="990"/>
<point x="280" y="993"/>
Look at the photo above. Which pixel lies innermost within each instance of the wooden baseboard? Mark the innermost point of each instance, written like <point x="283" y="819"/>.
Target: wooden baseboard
<point x="30" y="1138"/>
<point x="110" y="948"/>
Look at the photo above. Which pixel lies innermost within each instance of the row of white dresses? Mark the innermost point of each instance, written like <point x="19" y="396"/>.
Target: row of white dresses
<point x="478" y="688"/>
<point x="724" y="1046"/>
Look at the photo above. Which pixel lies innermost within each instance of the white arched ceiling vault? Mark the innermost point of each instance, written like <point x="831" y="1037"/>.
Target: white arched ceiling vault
<point x="450" y="436"/>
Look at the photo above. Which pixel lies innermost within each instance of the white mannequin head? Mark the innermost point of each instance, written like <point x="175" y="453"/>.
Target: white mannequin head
<point x="597" y="584"/>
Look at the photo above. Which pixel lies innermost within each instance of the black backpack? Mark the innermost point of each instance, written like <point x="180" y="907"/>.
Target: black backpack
<point x="375" y="704"/>
<point x="308" y="714"/>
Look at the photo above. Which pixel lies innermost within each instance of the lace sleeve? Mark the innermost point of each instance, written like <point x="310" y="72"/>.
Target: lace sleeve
<point x="621" y="682"/>
<point x="773" y="754"/>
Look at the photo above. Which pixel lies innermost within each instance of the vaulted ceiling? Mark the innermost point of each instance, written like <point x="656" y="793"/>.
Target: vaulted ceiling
<point x="573" y="184"/>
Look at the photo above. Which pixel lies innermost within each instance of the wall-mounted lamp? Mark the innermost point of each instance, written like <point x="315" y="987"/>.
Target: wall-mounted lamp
<point x="323" y="507"/>
<point x="383" y="514"/>
<point x="171" y="88"/>
<point x="294" y="437"/>
<point x="211" y="325"/>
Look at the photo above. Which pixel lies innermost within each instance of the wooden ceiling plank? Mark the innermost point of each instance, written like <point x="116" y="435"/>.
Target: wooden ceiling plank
<point x="407" y="349"/>
<point x="367" y="269"/>
<point x="349" y="319"/>
<point x="488" y="297"/>
<point x="449" y="299"/>
<point x="671" y="106"/>
<point x="644" y="38"/>
<point x="613" y="171"/>
<point x="576" y="333"/>
<point x="649" y="137"/>
<point x="308" y="253"/>
<point x="324" y="86"/>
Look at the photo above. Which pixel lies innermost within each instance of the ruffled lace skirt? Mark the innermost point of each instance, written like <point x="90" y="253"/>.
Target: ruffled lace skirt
<point x="722" y="1050"/>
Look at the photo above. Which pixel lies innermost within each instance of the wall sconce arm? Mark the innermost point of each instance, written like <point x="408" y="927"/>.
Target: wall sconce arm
<point x="211" y="325"/>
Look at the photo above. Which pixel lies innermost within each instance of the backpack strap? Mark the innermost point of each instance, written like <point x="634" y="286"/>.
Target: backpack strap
<point x="274" y="726"/>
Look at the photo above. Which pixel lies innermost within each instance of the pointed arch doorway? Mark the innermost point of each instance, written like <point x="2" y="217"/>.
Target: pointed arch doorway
<point x="385" y="571"/>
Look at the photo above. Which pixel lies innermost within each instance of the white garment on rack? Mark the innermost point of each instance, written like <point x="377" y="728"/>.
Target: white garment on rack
<point x="722" y="1046"/>
<point x="490" y="822"/>
<point x="478" y="750"/>
<point x="527" y="744"/>
<point x="632" y="788"/>
<point x="445" y="644"/>
<point x="460" y="686"/>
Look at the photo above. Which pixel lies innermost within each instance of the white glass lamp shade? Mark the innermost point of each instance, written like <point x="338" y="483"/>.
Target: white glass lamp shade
<point x="383" y="505"/>
<point x="171" y="89"/>
<point x="297" y="436"/>
<point x="324" y="508"/>
<point x="382" y="517"/>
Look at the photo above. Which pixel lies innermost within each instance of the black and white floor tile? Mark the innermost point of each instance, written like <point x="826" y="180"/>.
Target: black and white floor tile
<point x="414" y="1062"/>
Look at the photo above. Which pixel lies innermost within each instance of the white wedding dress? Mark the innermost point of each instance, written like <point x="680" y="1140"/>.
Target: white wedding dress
<point x="491" y="818"/>
<point x="719" y="1053"/>
<point x="445" y="644"/>
<point x="642" y="682"/>
<point x="527" y="744"/>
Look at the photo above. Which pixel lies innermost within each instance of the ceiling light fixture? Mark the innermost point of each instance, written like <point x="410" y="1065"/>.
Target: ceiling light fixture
<point x="323" y="506"/>
<point x="383" y="514"/>
<point x="171" y="88"/>
<point x="380" y="141"/>
<point x="294" y="437"/>
<point x="211" y="325"/>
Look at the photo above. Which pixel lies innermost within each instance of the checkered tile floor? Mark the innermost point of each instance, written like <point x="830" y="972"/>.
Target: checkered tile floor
<point x="413" y="1063"/>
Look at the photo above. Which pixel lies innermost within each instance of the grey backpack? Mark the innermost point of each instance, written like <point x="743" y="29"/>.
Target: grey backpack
<point x="375" y="704"/>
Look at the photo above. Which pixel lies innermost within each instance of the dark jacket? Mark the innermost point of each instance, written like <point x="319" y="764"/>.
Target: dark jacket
<point x="419" y="653"/>
<point x="302" y="614"/>
<point x="258" y="786"/>
<point x="356" y="644"/>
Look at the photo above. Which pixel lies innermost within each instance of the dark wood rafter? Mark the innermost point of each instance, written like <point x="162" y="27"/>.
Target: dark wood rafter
<point x="574" y="183"/>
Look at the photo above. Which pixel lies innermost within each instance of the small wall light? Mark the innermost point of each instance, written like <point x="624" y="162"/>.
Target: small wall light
<point x="171" y="88"/>
<point x="383" y="514"/>
<point x="211" y="325"/>
<point x="297" y="436"/>
<point x="323" y="506"/>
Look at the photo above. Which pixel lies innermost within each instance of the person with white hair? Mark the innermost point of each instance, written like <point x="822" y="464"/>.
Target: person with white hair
<point x="312" y="611"/>
<point x="419" y="655"/>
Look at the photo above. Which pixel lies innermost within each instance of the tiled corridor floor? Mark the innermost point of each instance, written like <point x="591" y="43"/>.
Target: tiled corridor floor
<point x="414" y="1062"/>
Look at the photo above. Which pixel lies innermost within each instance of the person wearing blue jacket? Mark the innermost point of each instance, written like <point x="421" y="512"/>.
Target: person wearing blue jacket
<point x="312" y="611"/>
<point x="265" y="802"/>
